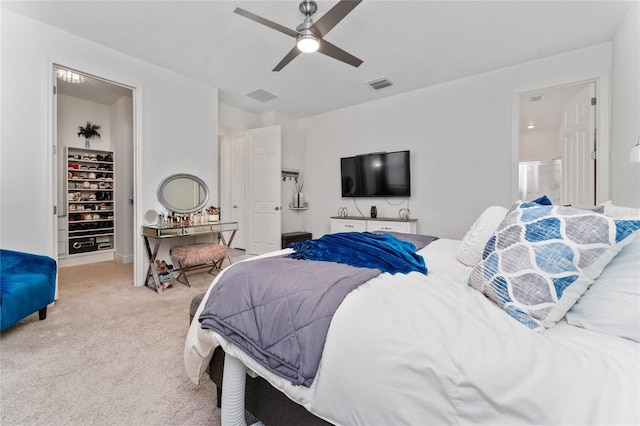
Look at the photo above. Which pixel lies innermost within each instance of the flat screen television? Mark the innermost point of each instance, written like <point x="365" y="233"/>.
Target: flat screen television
<point x="380" y="174"/>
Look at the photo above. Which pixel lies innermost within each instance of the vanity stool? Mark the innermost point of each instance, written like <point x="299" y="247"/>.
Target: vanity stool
<point x="193" y="255"/>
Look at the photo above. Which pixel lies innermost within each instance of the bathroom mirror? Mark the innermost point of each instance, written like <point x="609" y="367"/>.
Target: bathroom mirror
<point x="183" y="193"/>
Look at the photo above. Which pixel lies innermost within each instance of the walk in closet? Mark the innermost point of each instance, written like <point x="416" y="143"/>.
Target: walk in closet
<point x="94" y="176"/>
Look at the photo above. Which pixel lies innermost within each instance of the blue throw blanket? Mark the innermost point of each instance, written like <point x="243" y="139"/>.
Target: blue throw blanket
<point x="364" y="250"/>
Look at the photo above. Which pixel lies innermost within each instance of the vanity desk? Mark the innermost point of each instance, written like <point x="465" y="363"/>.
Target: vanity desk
<point x="163" y="231"/>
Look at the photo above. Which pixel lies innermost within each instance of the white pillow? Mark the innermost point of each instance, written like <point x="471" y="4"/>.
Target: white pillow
<point x="620" y="212"/>
<point x="472" y="245"/>
<point x="612" y="303"/>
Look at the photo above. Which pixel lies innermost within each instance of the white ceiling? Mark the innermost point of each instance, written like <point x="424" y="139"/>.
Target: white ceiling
<point x="413" y="43"/>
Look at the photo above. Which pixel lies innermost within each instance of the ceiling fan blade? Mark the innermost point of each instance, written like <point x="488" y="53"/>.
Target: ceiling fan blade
<point x="333" y="16"/>
<point x="337" y="53"/>
<point x="290" y="57"/>
<point x="266" y="22"/>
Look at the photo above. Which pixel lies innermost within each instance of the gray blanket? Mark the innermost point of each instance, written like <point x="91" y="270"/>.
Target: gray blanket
<point x="278" y="310"/>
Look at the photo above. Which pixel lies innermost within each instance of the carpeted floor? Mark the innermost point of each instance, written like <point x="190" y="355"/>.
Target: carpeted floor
<point x="107" y="354"/>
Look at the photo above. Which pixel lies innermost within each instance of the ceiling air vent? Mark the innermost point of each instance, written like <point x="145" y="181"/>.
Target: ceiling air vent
<point x="535" y="98"/>
<point x="261" y="95"/>
<point x="380" y="83"/>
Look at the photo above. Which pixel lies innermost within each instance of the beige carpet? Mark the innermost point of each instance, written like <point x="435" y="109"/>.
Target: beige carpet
<point x="107" y="354"/>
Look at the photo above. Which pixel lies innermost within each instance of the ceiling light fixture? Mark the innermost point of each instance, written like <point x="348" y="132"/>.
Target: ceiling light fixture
<point x="69" y="76"/>
<point x="308" y="43"/>
<point x="531" y="126"/>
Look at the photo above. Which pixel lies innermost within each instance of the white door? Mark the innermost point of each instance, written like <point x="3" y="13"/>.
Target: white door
<point x="263" y="190"/>
<point x="577" y="137"/>
<point x="238" y="175"/>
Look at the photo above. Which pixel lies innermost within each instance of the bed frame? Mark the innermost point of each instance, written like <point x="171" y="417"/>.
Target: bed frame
<point x="262" y="400"/>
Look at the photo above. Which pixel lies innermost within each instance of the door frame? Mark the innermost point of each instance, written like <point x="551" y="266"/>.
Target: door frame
<point x="603" y="120"/>
<point x="53" y="151"/>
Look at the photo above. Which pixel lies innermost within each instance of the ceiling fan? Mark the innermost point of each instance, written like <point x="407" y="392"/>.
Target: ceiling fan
<point x="309" y="35"/>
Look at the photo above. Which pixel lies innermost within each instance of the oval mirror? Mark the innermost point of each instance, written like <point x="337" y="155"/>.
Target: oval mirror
<point x="183" y="193"/>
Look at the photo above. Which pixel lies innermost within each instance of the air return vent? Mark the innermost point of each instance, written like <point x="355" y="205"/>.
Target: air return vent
<point x="380" y="83"/>
<point x="535" y="98"/>
<point x="261" y="95"/>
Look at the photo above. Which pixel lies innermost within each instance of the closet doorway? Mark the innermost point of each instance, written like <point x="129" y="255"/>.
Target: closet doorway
<point x="557" y="144"/>
<point x="93" y="178"/>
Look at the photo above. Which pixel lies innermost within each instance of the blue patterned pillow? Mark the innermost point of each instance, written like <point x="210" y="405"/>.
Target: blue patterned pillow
<point x="542" y="258"/>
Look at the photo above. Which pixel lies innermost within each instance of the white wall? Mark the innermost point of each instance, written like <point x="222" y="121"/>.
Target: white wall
<point x="539" y="144"/>
<point x="74" y="112"/>
<point x="625" y="109"/>
<point x="460" y="135"/>
<point x="237" y="118"/>
<point x="177" y="121"/>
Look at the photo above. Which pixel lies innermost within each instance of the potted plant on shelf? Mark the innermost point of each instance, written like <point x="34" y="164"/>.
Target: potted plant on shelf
<point x="90" y="131"/>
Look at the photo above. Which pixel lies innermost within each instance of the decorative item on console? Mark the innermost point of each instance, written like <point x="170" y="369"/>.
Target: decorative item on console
<point x="214" y="213"/>
<point x="343" y="212"/>
<point x="374" y="212"/>
<point x="298" y="196"/>
<point x="405" y="214"/>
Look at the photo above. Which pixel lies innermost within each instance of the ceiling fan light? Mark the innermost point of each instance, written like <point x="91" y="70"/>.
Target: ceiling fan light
<point x="308" y="43"/>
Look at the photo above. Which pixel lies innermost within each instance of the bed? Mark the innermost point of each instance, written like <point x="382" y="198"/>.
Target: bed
<point x="442" y="349"/>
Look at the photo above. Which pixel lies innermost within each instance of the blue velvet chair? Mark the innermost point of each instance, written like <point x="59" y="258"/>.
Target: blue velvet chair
<point x="27" y="285"/>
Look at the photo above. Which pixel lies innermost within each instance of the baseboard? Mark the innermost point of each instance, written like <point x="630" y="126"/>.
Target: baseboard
<point x="83" y="259"/>
<point x="123" y="259"/>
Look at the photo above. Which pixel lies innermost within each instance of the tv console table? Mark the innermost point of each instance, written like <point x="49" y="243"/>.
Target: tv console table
<point x="366" y="224"/>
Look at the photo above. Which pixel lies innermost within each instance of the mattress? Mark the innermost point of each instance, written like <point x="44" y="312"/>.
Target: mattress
<point x="416" y="349"/>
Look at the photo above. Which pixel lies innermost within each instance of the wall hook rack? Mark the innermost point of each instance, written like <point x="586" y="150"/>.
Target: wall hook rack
<point x="290" y="174"/>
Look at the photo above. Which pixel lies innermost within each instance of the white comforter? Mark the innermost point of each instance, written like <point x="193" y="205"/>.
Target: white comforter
<point x="415" y="349"/>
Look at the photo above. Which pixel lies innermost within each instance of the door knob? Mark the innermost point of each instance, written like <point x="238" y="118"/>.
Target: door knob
<point x="235" y="207"/>
<point x="277" y="208"/>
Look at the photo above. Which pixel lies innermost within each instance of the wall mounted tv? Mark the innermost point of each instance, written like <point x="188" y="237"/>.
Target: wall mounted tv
<point x="380" y="174"/>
